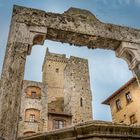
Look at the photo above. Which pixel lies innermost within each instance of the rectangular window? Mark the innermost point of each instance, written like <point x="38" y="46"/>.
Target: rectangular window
<point x="128" y="97"/>
<point x="32" y="118"/>
<point x="118" y="105"/>
<point x="57" y="70"/>
<point x="33" y="94"/>
<point x="58" y="124"/>
<point x="133" y="119"/>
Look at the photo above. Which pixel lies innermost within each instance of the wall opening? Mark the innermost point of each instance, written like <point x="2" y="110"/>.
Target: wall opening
<point x="104" y="67"/>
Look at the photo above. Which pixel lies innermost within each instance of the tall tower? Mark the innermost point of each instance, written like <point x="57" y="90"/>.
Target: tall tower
<point x="77" y="92"/>
<point x="53" y="75"/>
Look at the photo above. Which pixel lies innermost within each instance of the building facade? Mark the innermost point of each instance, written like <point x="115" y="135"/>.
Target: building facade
<point x="124" y="103"/>
<point x="62" y="99"/>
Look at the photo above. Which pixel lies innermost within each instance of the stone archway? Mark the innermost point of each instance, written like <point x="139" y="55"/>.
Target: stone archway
<point x="75" y="26"/>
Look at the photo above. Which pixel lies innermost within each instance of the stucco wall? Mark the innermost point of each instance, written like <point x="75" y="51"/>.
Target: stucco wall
<point x="128" y="109"/>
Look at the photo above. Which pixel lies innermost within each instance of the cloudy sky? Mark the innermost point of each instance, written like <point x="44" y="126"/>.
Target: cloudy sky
<point x="107" y="72"/>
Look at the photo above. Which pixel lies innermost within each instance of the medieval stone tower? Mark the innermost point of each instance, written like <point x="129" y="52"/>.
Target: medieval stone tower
<point x="68" y="79"/>
<point x="62" y="99"/>
<point x="53" y="75"/>
<point x="77" y="93"/>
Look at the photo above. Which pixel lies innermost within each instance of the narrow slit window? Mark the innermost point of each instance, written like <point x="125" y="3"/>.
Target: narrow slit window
<point x="81" y="102"/>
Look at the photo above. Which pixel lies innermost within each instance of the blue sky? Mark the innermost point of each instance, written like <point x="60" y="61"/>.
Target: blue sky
<point x="107" y="72"/>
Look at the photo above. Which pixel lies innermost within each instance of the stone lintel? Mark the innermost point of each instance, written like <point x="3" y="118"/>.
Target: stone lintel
<point x="77" y="24"/>
<point x="91" y="130"/>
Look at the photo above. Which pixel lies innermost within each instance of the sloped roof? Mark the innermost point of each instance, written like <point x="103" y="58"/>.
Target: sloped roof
<point x="118" y="91"/>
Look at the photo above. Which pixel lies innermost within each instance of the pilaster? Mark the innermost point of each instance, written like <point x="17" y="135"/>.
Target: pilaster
<point x="21" y="39"/>
<point x="130" y="52"/>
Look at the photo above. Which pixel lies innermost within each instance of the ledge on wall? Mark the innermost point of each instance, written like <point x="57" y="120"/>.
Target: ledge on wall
<point x="90" y="130"/>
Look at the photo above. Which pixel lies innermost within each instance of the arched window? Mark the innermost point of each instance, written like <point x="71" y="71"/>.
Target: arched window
<point x="29" y="133"/>
<point x="33" y="92"/>
<point x="32" y="115"/>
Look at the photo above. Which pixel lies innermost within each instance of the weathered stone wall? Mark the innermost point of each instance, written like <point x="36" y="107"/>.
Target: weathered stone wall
<point x="53" y="75"/>
<point x="91" y="131"/>
<point x="39" y="103"/>
<point x="77" y="92"/>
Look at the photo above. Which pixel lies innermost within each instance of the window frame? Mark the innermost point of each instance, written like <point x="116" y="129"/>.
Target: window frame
<point x="56" y="123"/>
<point x="32" y="118"/>
<point x="35" y="94"/>
<point x="118" y="104"/>
<point x="128" y="97"/>
<point x="32" y="112"/>
<point x="133" y="119"/>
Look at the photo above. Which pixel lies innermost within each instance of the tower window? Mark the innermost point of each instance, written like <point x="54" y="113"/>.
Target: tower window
<point x="32" y="118"/>
<point x="118" y="104"/>
<point x="133" y="119"/>
<point x="128" y="97"/>
<point x="33" y="94"/>
<point x="57" y="70"/>
<point x="81" y="102"/>
<point x="32" y="115"/>
<point x="58" y="124"/>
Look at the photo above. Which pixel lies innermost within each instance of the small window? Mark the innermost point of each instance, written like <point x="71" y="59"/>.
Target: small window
<point x="33" y="94"/>
<point x="128" y="97"/>
<point x="133" y="119"/>
<point x="32" y="115"/>
<point x="81" y="102"/>
<point x="118" y="104"/>
<point x="57" y="70"/>
<point x="32" y="118"/>
<point x="58" y="124"/>
<point x="121" y="121"/>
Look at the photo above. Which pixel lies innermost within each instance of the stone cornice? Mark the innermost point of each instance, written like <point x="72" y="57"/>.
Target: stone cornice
<point x="90" y="130"/>
<point x="81" y="25"/>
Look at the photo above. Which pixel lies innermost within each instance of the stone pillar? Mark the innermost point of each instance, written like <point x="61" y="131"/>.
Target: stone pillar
<point x="21" y="39"/>
<point x="11" y="84"/>
<point x="130" y="52"/>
